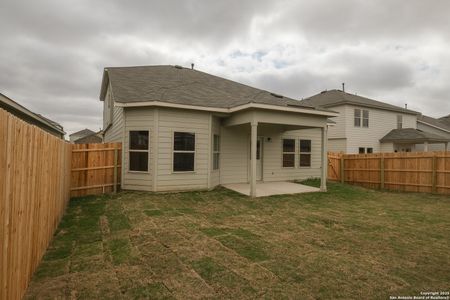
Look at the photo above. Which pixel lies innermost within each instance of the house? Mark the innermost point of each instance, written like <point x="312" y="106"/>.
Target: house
<point x="365" y="125"/>
<point x="30" y="117"/>
<point x="439" y="127"/>
<point x="183" y="129"/>
<point x="86" y="136"/>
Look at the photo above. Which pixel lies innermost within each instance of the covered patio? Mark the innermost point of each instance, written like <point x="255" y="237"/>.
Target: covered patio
<point x="271" y="188"/>
<point x="405" y="139"/>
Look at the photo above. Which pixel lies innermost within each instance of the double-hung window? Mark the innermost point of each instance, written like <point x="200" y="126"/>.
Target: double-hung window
<point x="183" y="151"/>
<point x="361" y="117"/>
<point x="288" y="153"/>
<point x="357" y="117"/>
<point x="216" y="151"/>
<point x="305" y="153"/>
<point x="399" y="121"/>
<point x="138" y="150"/>
<point x="365" y="118"/>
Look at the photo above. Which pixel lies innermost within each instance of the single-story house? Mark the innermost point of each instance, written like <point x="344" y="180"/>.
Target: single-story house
<point x="30" y="117"/>
<point x="183" y="129"/>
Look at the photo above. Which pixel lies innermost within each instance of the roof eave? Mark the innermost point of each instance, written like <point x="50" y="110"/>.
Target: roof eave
<point x="406" y="111"/>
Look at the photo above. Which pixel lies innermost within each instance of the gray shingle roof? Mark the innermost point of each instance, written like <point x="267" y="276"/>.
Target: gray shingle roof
<point x="445" y="120"/>
<point x="332" y="98"/>
<point x="174" y="84"/>
<point x="435" y="122"/>
<point x="83" y="132"/>
<point x="412" y="135"/>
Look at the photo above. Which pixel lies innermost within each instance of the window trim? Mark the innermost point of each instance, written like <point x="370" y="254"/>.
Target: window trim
<point x="371" y="150"/>
<point x="363" y="118"/>
<point x="357" y="116"/>
<point x="283" y="152"/>
<point x="300" y="153"/>
<point x="138" y="150"/>
<point x="216" y="152"/>
<point x="399" y="121"/>
<point x="183" y="151"/>
<point x="359" y="150"/>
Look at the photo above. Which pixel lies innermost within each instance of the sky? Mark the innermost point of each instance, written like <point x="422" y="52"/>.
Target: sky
<point x="52" y="52"/>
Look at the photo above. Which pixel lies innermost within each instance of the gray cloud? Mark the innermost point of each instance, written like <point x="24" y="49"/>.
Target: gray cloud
<point x="53" y="52"/>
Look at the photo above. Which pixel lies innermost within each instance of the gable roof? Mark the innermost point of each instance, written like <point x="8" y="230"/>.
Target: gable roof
<point x="333" y="98"/>
<point x="29" y="116"/>
<point x="184" y="86"/>
<point x="412" y="135"/>
<point x="430" y="121"/>
<point x="445" y="120"/>
<point x="83" y="132"/>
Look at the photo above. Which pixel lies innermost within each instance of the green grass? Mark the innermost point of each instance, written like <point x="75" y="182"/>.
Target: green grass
<point x="348" y="243"/>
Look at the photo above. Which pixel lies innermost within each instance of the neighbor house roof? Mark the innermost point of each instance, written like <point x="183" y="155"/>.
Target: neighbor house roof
<point x="84" y="132"/>
<point x="331" y="98"/>
<point x="445" y="120"/>
<point x="412" y="135"/>
<point x="185" y="86"/>
<point x="29" y="116"/>
<point x="430" y="121"/>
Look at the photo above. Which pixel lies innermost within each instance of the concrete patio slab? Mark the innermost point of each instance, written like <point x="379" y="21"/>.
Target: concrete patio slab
<point x="271" y="188"/>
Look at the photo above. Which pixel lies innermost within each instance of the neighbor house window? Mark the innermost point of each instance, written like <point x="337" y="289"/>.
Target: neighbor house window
<point x="138" y="151"/>
<point x="216" y="152"/>
<point x="288" y="153"/>
<point x="365" y="118"/>
<point x="305" y="153"/>
<point x="399" y="121"/>
<point x="361" y="150"/>
<point x="183" y="151"/>
<point x="357" y="118"/>
<point x="369" y="150"/>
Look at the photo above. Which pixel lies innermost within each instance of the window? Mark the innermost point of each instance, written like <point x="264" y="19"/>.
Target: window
<point x="138" y="151"/>
<point x="362" y="150"/>
<point x="365" y="120"/>
<point x="183" y="151"/>
<point x="305" y="153"/>
<point x="216" y="152"/>
<point x="369" y="150"/>
<point x="288" y="153"/>
<point x="399" y="121"/>
<point x="357" y="118"/>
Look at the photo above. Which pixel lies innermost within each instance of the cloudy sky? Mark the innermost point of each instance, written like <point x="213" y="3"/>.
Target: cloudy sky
<point x="52" y="52"/>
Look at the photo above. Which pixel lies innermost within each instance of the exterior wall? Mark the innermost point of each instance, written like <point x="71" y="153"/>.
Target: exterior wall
<point x="170" y="120"/>
<point x="272" y="155"/>
<point x="387" y="147"/>
<point x="380" y="123"/>
<point x="114" y="118"/>
<point x="430" y="129"/>
<point x="215" y="174"/>
<point x="338" y="130"/>
<point x="234" y="156"/>
<point x="138" y="119"/>
<point x="337" y="145"/>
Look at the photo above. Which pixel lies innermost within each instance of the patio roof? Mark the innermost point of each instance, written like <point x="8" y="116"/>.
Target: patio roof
<point x="412" y="135"/>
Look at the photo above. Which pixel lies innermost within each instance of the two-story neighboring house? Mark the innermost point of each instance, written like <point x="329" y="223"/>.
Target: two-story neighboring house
<point x="367" y="126"/>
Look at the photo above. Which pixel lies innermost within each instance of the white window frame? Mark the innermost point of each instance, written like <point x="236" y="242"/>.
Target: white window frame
<point x="365" y="118"/>
<point x="183" y="151"/>
<point x="399" y="121"/>
<point x="138" y="150"/>
<point x="357" y="117"/>
<point x="363" y="148"/>
<point x="300" y="152"/>
<point x="216" y="151"/>
<point x="283" y="152"/>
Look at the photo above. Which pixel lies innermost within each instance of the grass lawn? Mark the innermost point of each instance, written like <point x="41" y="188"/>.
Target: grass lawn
<point x="349" y="243"/>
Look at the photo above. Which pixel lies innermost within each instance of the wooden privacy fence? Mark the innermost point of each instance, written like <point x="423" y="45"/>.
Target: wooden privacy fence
<point x="427" y="172"/>
<point x="34" y="191"/>
<point x="95" y="168"/>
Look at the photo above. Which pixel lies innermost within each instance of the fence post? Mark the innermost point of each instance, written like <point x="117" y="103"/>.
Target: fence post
<point x="434" y="173"/>
<point x="382" y="172"/>
<point x="342" y="169"/>
<point x="116" y="155"/>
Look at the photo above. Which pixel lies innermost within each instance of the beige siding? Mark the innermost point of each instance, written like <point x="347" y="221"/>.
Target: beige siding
<point x="337" y="145"/>
<point x="234" y="154"/>
<point x="272" y="156"/>
<point x="387" y="147"/>
<point x="171" y="120"/>
<point x="337" y="131"/>
<point x="138" y="119"/>
<point x="380" y="123"/>
<point x="114" y="118"/>
<point x="215" y="174"/>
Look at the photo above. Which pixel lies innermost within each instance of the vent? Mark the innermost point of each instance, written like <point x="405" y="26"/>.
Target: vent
<point x="178" y="67"/>
<point x="276" y="95"/>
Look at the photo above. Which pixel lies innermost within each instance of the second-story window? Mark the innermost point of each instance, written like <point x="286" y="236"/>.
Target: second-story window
<point x="365" y="118"/>
<point x="399" y="121"/>
<point x="361" y="117"/>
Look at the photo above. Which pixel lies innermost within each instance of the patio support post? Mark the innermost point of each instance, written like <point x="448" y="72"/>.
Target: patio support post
<point x="425" y="146"/>
<point x="254" y="135"/>
<point x="324" y="165"/>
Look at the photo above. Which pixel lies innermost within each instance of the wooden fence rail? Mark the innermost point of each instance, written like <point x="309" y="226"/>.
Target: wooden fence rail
<point x="427" y="172"/>
<point x="34" y="191"/>
<point x="95" y="168"/>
